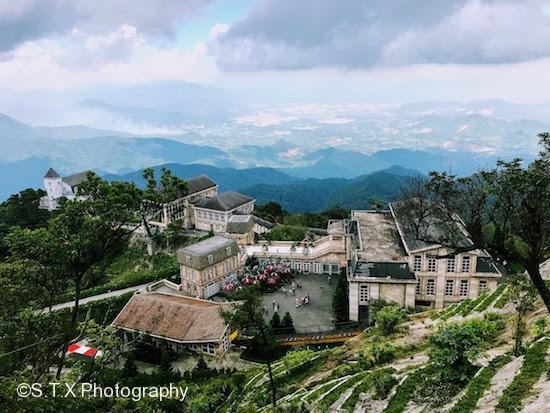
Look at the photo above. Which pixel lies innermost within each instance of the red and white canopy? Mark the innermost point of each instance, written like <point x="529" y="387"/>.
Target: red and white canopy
<point x="83" y="350"/>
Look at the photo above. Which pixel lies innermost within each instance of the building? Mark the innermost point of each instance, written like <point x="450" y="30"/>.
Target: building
<point x="443" y="279"/>
<point x="241" y="229"/>
<point x="212" y="214"/>
<point x="175" y="322"/>
<point x="378" y="269"/>
<point x="58" y="187"/>
<point x="326" y="254"/>
<point x="205" y="267"/>
<point x="199" y="187"/>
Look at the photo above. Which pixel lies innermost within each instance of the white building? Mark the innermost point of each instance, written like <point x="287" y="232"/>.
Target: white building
<point x="58" y="187"/>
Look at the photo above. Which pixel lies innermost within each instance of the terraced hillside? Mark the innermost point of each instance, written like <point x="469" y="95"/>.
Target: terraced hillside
<point x="402" y="372"/>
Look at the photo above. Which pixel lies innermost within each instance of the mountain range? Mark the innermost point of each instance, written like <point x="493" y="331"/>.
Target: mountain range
<point x="293" y="194"/>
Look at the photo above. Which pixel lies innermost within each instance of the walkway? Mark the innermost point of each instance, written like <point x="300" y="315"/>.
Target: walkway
<point x="98" y="297"/>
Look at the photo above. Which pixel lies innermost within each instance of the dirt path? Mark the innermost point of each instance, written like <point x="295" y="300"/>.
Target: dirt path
<point x="500" y="381"/>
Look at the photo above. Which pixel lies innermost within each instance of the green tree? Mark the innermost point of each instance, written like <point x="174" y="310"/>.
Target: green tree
<point x="275" y="322"/>
<point x="523" y="295"/>
<point x="130" y="369"/>
<point x="506" y="210"/>
<point x="249" y="317"/>
<point x="288" y="323"/>
<point x="86" y="233"/>
<point x="388" y="319"/>
<point x="166" y="374"/>
<point x="340" y="301"/>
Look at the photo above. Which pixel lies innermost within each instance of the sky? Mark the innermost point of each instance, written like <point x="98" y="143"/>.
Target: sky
<point x="290" y="50"/>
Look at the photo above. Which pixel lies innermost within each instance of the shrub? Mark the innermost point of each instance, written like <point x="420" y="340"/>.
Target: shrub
<point x="388" y="319"/>
<point x="540" y="326"/>
<point x="376" y="353"/>
<point x="383" y="385"/>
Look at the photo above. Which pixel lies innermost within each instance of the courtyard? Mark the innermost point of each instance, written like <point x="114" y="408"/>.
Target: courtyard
<point x="315" y="316"/>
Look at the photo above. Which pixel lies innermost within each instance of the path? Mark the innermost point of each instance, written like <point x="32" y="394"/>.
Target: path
<point x="109" y="294"/>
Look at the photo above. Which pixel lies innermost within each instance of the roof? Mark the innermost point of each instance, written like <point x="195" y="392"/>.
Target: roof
<point x="179" y="318"/>
<point x="336" y="227"/>
<point x="226" y="201"/>
<point x="439" y="227"/>
<point x="51" y="174"/>
<point x="75" y="179"/>
<point x="486" y="264"/>
<point x="199" y="183"/>
<point x="263" y="222"/>
<point x="240" y="224"/>
<point x="386" y="270"/>
<point x="378" y="236"/>
<point x="196" y="255"/>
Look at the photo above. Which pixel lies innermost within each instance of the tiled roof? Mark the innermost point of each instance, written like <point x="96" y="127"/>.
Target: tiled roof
<point x="198" y="253"/>
<point x="74" y="180"/>
<point x="224" y="202"/>
<point x="199" y="183"/>
<point x="175" y="317"/>
<point x="51" y="174"/>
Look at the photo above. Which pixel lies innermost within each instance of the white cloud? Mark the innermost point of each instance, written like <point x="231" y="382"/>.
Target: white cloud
<point x="83" y="59"/>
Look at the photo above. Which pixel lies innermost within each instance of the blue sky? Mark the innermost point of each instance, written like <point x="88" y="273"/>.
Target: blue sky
<point x="286" y="50"/>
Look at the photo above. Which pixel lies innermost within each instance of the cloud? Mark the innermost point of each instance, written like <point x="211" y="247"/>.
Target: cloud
<point x="122" y="55"/>
<point x="25" y="20"/>
<point x="290" y="35"/>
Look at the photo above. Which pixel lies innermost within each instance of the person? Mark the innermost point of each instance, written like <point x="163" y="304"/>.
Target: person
<point x="297" y="302"/>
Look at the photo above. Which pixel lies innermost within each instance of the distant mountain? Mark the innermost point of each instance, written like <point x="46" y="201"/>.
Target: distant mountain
<point x="76" y="132"/>
<point x="313" y="195"/>
<point x="167" y="102"/>
<point x="226" y="178"/>
<point x="333" y="162"/>
<point x="16" y="176"/>
<point x="12" y="128"/>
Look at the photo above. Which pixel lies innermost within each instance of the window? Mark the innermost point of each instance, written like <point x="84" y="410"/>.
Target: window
<point x="432" y="264"/>
<point x="463" y="292"/>
<point x="465" y="263"/>
<point x="418" y="290"/>
<point x="363" y="293"/>
<point x="187" y="259"/>
<point x="417" y="264"/>
<point x="482" y="285"/>
<point x="451" y="264"/>
<point x="449" y="286"/>
<point x="210" y="259"/>
<point x="228" y="250"/>
<point x="430" y="286"/>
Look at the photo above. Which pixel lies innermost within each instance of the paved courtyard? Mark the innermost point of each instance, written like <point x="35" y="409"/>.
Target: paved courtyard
<point x="317" y="316"/>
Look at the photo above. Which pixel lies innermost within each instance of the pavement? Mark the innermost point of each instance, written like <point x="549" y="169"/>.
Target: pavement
<point x="317" y="316"/>
<point x="109" y="294"/>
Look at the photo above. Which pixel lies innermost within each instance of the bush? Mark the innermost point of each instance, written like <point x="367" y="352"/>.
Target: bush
<point x="375" y="354"/>
<point x="388" y="319"/>
<point x="383" y="385"/>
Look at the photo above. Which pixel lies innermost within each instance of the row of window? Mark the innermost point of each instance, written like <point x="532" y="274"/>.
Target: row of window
<point x="431" y="264"/>
<point x="450" y="287"/>
<point x="214" y="216"/>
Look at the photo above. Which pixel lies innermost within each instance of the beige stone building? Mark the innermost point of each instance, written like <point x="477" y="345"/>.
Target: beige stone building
<point x="199" y="187"/>
<point x="444" y="279"/>
<point x="206" y="266"/>
<point x="241" y="229"/>
<point x="212" y="214"/>
<point x="390" y="263"/>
